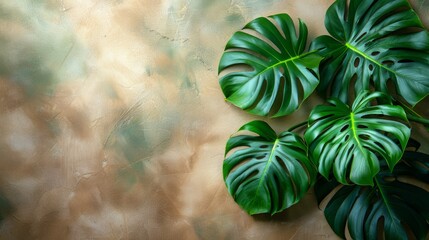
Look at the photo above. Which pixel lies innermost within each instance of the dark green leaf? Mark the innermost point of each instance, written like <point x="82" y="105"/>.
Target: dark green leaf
<point x="400" y="206"/>
<point x="270" y="173"/>
<point x="373" y="42"/>
<point x="279" y="73"/>
<point x="349" y="141"/>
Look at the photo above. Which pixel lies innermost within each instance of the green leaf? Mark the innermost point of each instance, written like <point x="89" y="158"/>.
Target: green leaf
<point x="350" y="141"/>
<point x="275" y="73"/>
<point x="374" y="42"/>
<point x="267" y="173"/>
<point x="402" y="205"/>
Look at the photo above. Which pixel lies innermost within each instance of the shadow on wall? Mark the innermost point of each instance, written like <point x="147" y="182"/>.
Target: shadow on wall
<point x="5" y="208"/>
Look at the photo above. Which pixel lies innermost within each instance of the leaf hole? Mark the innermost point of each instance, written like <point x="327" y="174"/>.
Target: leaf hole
<point x="237" y="166"/>
<point x="405" y="61"/>
<point x="346" y="12"/>
<point x="364" y="137"/>
<point x="324" y="117"/>
<point x="371" y="67"/>
<point x="279" y="98"/>
<point x="262" y="37"/>
<point x="286" y="170"/>
<point x="349" y="151"/>
<point x="351" y="90"/>
<point x="312" y="72"/>
<point x="375" y="53"/>
<point x="388" y="63"/>
<point x="261" y="94"/>
<point x="362" y="126"/>
<point x="400" y="49"/>
<point x="263" y="146"/>
<point x="238" y="148"/>
<point x="259" y="157"/>
<point x="282" y="164"/>
<point x="276" y="197"/>
<point x="235" y="68"/>
<point x="379" y="145"/>
<point x="250" y="176"/>
<point x="391" y="89"/>
<point x="349" y="169"/>
<point x="277" y="25"/>
<point x="346" y="138"/>
<point x="380" y="228"/>
<point x="248" y="51"/>
<point x="344" y="128"/>
<point x="390" y="14"/>
<point x="361" y="36"/>
<point x="356" y="63"/>
<point x="300" y="88"/>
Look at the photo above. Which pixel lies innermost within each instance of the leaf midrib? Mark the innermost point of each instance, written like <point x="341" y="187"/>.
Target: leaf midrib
<point x="359" y="52"/>
<point x="277" y="64"/>
<point x="283" y="62"/>
<point x="354" y="131"/>
<point x="267" y="166"/>
<point x="386" y="202"/>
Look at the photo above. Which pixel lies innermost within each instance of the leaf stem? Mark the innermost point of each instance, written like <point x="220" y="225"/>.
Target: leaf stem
<point x="297" y="126"/>
<point x="419" y="119"/>
<point x="413" y="115"/>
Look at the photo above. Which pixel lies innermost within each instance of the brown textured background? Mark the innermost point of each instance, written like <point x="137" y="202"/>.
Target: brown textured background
<point x="113" y="125"/>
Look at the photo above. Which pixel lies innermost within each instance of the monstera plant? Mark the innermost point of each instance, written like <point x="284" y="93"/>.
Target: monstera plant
<point x="356" y="149"/>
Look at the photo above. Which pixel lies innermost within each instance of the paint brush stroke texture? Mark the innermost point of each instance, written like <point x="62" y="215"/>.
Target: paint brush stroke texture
<point x="113" y="125"/>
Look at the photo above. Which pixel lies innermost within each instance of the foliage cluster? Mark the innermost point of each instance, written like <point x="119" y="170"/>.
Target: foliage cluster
<point x="372" y="70"/>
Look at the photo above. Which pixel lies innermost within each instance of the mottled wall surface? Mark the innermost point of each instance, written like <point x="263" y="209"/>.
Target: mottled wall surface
<point x="113" y="125"/>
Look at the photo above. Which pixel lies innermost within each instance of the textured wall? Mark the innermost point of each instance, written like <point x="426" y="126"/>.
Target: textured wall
<point x="113" y="125"/>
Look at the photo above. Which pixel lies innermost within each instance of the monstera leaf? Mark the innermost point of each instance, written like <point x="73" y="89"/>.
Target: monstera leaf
<point x="270" y="173"/>
<point x="271" y="74"/>
<point x="373" y="42"/>
<point x="392" y="207"/>
<point x="349" y="141"/>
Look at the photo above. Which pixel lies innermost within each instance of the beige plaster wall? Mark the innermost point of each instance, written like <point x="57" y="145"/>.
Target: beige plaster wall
<point x="113" y="124"/>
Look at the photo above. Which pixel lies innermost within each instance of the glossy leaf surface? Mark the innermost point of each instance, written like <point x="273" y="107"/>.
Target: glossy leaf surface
<point x="374" y="42"/>
<point x="349" y="141"/>
<point x="392" y="207"/>
<point x="274" y="73"/>
<point x="267" y="173"/>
